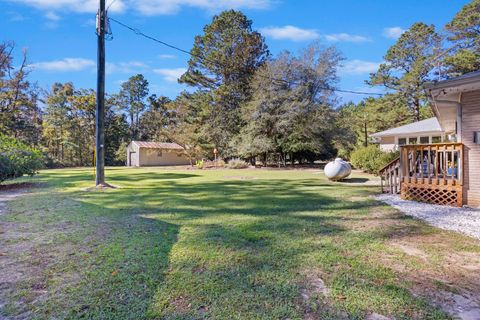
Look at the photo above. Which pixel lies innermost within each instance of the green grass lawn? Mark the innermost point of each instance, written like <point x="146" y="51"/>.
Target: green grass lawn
<point x="217" y="244"/>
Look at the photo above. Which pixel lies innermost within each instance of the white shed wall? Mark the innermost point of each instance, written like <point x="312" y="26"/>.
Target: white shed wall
<point x="162" y="157"/>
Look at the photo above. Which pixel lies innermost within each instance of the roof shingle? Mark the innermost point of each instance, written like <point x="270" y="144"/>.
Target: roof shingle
<point x="428" y="125"/>
<point x="158" y="145"/>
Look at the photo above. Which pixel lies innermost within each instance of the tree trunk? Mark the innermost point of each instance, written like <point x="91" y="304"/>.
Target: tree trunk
<point x="416" y="110"/>
<point x="132" y="126"/>
<point x="366" y="133"/>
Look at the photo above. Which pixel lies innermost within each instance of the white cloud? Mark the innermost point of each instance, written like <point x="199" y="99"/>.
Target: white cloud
<point x="359" y="67"/>
<point x="69" y="5"/>
<point x="290" y="33"/>
<point x="126" y="67"/>
<point x="64" y="65"/>
<point x="52" y="16"/>
<point x="157" y="7"/>
<point x="393" y="32"/>
<point x="167" y="56"/>
<point x="171" y="75"/>
<point x="146" y="7"/>
<point x="346" y="37"/>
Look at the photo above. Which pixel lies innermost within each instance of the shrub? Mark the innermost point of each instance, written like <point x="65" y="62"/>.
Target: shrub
<point x="220" y="163"/>
<point x="120" y="157"/>
<point x="17" y="159"/>
<point x="371" y="159"/>
<point x="237" y="164"/>
<point x="200" y="164"/>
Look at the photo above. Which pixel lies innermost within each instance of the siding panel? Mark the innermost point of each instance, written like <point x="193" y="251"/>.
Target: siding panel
<point x="470" y="124"/>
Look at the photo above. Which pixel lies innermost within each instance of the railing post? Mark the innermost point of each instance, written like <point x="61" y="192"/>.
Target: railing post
<point x="429" y="159"/>
<point x="391" y="181"/>
<point x="445" y="163"/>
<point x="460" y="165"/>
<point x="400" y="170"/>
<point x="395" y="178"/>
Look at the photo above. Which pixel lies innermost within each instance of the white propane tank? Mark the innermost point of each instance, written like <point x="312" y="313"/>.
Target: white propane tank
<point x="337" y="170"/>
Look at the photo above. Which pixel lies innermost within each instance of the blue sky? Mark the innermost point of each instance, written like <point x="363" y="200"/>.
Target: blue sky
<point x="61" y="42"/>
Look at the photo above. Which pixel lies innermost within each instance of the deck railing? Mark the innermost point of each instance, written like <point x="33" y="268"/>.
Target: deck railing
<point x="438" y="164"/>
<point x="390" y="177"/>
<point x="432" y="173"/>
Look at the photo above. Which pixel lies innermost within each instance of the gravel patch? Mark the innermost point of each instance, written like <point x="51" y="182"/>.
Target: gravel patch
<point x="464" y="220"/>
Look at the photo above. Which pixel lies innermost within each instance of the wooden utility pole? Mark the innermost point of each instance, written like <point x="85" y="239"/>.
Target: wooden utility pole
<point x="100" y="114"/>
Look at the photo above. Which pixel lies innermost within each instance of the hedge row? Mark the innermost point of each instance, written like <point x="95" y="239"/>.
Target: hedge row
<point x="371" y="159"/>
<point x="17" y="159"/>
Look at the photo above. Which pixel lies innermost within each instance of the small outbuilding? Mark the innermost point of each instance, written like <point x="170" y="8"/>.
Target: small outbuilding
<point x="143" y="154"/>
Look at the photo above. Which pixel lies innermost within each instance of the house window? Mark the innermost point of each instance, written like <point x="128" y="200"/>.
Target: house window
<point x="424" y="140"/>
<point x="412" y="140"/>
<point x="159" y="153"/>
<point x="437" y="139"/>
<point x="402" y="141"/>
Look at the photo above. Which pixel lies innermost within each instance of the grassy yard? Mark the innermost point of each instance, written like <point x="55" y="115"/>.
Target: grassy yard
<point x="222" y="244"/>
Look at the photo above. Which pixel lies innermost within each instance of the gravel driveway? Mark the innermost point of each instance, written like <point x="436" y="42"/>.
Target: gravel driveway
<point x="464" y="220"/>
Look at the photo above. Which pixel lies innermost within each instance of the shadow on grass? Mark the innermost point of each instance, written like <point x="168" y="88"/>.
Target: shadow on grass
<point x="74" y="177"/>
<point x="355" y="180"/>
<point x="239" y="246"/>
<point x="88" y="261"/>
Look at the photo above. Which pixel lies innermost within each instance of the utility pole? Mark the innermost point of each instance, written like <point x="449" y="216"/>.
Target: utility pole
<point x="100" y="114"/>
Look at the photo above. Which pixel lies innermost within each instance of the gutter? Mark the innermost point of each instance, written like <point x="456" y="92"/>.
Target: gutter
<point x="466" y="79"/>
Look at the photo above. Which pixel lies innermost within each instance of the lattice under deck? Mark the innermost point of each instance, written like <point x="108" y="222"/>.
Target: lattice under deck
<point x="441" y="196"/>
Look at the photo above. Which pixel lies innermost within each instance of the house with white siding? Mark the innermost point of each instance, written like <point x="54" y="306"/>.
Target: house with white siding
<point x="447" y="172"/>
<point x="421" y="132"/>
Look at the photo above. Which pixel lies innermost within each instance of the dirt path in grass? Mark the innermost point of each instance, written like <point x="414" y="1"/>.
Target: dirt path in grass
<point x="8" y="196"/>
<point x="15" y="240"/>
<point x="10" y="271"/>
<point x="442" y="266"/>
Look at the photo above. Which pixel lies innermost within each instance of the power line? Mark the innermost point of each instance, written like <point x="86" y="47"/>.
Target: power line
<point x="140" y="33"/>
<point x="111" y="3"/>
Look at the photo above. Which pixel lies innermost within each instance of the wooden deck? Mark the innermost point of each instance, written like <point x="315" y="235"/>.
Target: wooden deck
<point x="429" y="173"/>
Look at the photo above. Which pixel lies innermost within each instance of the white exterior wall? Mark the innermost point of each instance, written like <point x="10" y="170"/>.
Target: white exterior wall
<point x="388" y="147"/>
<point x="140" y="157"/>
<point x="387" y="144"/>
<point x="471" y="124"/>
<point x="132" y="155"/>
<point x="162" y="157"/>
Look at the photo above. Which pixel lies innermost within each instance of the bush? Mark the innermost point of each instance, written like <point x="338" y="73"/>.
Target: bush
<point x="371" y="159"/>
<point x="17" y="159"/>
<point x="120" y="157"/>
<point x="237" y="164"/>
<point x="220" y="163"/>
<point x="200" y="164"/>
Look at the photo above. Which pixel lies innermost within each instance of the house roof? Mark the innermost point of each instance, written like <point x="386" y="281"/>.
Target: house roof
<point x="466" y="81"/>
<point x="445" y="96"/>
<point x="157" y="145"/>
<point x="421" y="127"/>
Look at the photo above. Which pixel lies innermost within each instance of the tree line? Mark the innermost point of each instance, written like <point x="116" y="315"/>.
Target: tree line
<point x="244" y="101"/>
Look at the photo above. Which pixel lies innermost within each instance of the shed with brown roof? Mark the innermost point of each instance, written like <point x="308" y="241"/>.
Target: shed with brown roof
<point x="143" y="154"/>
